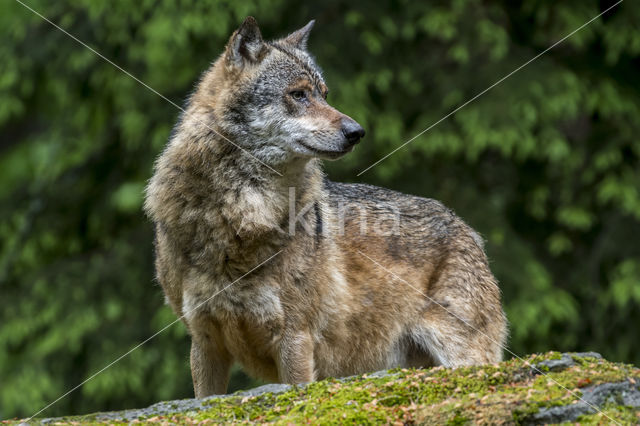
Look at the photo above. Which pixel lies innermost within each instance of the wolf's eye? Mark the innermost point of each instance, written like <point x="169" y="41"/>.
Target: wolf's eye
<point x="298" y="95"/>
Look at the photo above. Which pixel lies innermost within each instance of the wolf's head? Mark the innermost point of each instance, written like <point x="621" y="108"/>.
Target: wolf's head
<point x="270" y="98"/>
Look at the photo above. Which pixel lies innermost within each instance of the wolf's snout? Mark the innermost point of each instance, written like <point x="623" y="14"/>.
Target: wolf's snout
<point x="352" y="131"/>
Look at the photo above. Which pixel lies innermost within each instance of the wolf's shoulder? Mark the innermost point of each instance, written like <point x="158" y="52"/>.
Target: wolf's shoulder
<point x="375" y="195"/>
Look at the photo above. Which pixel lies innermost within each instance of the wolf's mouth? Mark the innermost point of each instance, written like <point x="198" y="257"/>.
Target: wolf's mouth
<point x="330" y="154"/>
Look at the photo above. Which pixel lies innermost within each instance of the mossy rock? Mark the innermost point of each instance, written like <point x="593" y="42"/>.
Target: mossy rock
<point x="545" y="388"/>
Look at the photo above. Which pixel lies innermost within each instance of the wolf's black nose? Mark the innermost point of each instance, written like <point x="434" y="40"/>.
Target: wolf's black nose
<point x="352" y="131"/>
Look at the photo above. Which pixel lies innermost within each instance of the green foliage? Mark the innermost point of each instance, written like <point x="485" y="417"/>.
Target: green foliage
<point x="545" y="166"/>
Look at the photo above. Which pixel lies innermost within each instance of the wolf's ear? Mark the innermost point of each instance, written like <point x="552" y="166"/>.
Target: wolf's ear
<point x="246" y="44"/>
<point x="299" y="38"/>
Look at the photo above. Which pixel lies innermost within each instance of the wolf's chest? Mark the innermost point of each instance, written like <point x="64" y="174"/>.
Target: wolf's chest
<point x="252" y="300"/>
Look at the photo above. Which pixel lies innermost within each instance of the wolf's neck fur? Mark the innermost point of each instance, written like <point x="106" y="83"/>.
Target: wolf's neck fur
<point x="224" y="188"/>
<point x="223" y="209"/>
<point x="263" y="200"/>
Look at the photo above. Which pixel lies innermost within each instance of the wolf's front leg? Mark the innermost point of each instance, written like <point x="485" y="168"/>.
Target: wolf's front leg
<point x="210" y="364"/>
<point x="295" y="360"/>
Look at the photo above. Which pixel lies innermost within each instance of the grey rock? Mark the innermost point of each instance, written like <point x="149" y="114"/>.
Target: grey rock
<point x="159" y="409"/>
<point x="261" y="390"/>
<point x="559" y="414"/>
<point x="567" y="360"/>
<point x="379" y="374"/>
<point x="375" y="375"/>
<point x="554" y="364"/>
<point x="177" y="406"/>
<point x="586" y="355"/>
<point x="593" y="397"/>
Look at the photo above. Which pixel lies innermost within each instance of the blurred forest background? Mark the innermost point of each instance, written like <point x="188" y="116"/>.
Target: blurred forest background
<point x="546" y="166"/>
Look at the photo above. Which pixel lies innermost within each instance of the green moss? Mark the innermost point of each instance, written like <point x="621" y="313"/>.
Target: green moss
<point x="553" y="355"/>
<point x="609" y="413"/>
<point x="507" y="392"/>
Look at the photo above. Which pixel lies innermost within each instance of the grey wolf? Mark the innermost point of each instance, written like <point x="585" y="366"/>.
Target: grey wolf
<point x="319" y="308"/>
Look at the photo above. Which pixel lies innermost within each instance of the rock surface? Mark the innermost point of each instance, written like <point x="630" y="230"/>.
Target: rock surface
<point x="541" y="389"/>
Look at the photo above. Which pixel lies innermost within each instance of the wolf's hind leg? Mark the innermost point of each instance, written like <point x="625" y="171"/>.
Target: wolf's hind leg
<point x="453" y="341"/>
<point x="210" y="362"/>
<point x="463" y="322"/>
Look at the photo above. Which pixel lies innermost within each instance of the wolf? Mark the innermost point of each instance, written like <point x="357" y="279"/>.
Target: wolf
<point x="297" y="278"/>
